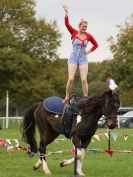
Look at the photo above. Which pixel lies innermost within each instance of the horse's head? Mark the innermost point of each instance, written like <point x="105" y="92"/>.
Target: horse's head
<point x="110" y="107"/>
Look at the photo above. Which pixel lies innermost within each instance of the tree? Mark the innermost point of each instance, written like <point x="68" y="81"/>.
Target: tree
<point x="27" y="48"/>
<point x="123" y="55"/>
<point x="121" y="67"/>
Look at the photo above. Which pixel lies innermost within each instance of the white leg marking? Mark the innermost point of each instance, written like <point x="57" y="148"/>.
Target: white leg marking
<point x="79" y="166"/>
<point x="67" y="162"/>
<point x="83" y="154"/>
<point x="45" y="167"/>
<point x="80" y="162"/>
<point x="79" y="118"/>
<point x="37" y="164"/>
<point x="79" y="153"/>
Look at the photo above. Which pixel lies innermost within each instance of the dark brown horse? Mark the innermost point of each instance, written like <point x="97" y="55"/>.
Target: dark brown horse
<point x="84" y="125"/>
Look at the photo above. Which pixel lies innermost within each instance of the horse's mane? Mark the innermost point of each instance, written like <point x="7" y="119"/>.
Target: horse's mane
<point x="90" y="102"/>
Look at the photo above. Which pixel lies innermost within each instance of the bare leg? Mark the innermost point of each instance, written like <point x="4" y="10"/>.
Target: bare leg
<point x="83" y="69"/>
<point x="71" y="73"/>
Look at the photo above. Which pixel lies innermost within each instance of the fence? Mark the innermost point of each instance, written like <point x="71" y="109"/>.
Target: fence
<point x="6" y="120"/>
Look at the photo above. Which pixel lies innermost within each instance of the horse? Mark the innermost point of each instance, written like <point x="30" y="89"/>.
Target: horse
<point x="83" y="126"/>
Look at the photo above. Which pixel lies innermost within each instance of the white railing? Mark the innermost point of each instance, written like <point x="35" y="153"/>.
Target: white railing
<point x="118" y="123"/>
<point x="5" y="120"/>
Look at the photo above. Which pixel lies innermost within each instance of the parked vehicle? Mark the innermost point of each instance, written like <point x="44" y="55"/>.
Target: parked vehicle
<point x="126" y="120"/>
<point x="123" y="110"/>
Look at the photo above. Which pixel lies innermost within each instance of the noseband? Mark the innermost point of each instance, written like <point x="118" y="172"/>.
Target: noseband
<point x="108" y="117"/>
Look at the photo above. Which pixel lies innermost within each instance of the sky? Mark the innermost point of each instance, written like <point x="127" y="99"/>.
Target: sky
<point x="103" y="16"/>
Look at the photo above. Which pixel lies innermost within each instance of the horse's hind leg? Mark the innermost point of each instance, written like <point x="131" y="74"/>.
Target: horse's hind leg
<point x="37" y="165"/>
<point x="42" y="150"/>
<point x="42" y="159"/>
<point x="33" y="144"/>
<point x="42" y="127"/>
<point x="47" y="135"/>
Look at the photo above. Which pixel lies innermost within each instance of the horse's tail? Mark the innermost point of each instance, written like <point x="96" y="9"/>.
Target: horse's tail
<point x="28" y="128"/>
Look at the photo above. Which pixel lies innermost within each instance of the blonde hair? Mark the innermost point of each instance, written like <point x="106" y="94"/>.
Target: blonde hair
<point x="83" y="21"/>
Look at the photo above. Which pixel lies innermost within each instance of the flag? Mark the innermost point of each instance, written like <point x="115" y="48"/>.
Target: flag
<point x="110" y="152"/>
<point x="114" y="136"/>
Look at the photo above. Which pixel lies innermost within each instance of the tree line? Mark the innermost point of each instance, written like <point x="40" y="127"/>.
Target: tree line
<point x="31" y="70"/>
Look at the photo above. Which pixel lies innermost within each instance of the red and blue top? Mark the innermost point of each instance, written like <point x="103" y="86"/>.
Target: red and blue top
<point x="78" y="55"/>
<point x="74" y="33"/>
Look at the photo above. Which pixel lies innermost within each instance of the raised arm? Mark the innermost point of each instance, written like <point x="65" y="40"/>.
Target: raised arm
<point x="69" y="27"/>
<point x="65" y="7"/>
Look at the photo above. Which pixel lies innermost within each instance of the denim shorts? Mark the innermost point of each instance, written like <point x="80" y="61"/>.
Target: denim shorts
<point x="78" y="59"/>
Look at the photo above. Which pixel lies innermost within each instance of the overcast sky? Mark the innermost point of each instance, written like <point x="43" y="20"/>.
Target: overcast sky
<point x="102" y="15"/>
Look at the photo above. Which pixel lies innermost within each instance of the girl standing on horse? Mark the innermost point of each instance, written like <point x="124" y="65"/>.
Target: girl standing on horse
<point x="78" y="57"/>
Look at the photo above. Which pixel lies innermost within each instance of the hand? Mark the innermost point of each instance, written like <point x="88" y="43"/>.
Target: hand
<point x="87" y="52"/>
<point x="65" y="7"/>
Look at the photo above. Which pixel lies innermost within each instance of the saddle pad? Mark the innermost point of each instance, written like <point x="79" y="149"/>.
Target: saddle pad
<point x="54" y="104"/>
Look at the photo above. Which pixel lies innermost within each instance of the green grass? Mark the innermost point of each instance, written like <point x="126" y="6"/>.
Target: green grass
<point x="99" y="164"/>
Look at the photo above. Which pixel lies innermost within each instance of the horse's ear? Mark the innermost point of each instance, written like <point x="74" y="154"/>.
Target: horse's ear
<point x="111" y="92"/>
<point x="116" y="90"/>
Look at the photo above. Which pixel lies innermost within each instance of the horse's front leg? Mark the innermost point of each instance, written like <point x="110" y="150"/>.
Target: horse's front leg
<point x="80" y="163"/>
<point x="80" y="147"/>
<point x="77" y="143"/>
<point x="80" y="156"/>
<point x="42" y="159"/>
<point x="84" y="144"/>
<point x="66" y="162"/>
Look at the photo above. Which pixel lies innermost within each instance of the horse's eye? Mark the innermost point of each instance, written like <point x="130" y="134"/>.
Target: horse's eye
<point x="116" y="105"/>
<point x="112" y="105"/>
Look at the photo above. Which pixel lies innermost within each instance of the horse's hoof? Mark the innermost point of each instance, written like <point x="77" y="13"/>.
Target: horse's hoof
<point x="62" y="164"/>
<point x="48" y="173"/>
<point x="81" y="174"/>
<point x="35" y="168"/>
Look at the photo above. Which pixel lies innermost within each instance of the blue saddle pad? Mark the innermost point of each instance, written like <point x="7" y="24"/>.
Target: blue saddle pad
<point x="54" y="104"/>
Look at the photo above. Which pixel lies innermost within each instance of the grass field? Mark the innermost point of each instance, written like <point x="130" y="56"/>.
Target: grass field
<point x="99" y="164"/>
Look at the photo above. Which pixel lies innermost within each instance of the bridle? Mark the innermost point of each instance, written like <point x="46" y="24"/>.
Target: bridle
<point x="106" y="117"/>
